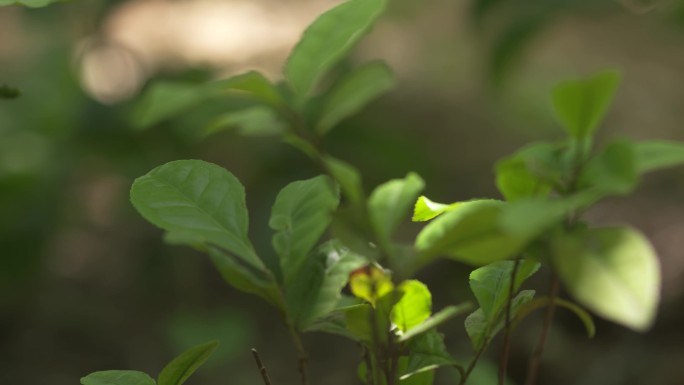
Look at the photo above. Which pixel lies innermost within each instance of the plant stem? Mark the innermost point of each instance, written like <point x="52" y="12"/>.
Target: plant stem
<point x="473" y="362"/>
<point x="503" y="364"/>
<point x="535" y="360"/>
<point x="262" y="368"/>
<point x="303" y="357"/>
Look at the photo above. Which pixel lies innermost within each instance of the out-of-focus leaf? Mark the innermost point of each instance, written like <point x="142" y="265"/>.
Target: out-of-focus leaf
<point x="491" y="284"/>
<point x="117" y="377"/>
<point x="29" y="3"/>
<point x="414" y="307"/>
<point x="426" y="352"/>
<point x="546" y="301"/>
<point x="347" y="176"/>
<point x="370" y="283"/>
<point x="438" y="318"/>
<point x="613" y="171"/>
<point x="425" y="209"/>
<point x="197" y="200"/>
<point x="256" y="121"/>
<point x="530" y="171"/>
<point x="182" y="367"/>
<point x="358" y="321"/>
<point x="613" y="271"/>
<point x="354" y="92"/>
<point x="481" y="329"/>
<point x="390" y="202"/>
<point x="580" y="105"/>
<point x="7" y="92"/>
<point x="300" y="215"/>
<point x="328" y="40"/>
<point x="657" y="154"/>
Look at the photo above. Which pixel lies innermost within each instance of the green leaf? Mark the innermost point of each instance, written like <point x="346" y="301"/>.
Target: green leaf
<point x="531" y="171"/>
<point x="328" y="40"/>
<point x="117" y="377"/>
<point x="255" y="121"/>
<point x="425" y="209"/>
<point x="255" y="85"/>
<point x="539" y="303"/>
<point x="300" y="215"/>
<point x="470" y="233"/>
<point x="389" y="203"/>
<point x="426" y="352"/>
<point x="613" y="171"/>
<point x="358" y="321"/>
<point x="183" y="366"/>
<point x="612" y="271"/>
<point x="580" y="105"/>
<point x="414" y="307"/>
<point x="434" y="321"/>
<point x="491" y="284"/>
<point x="315" y="291"/>
<point x="481" y="329"/>
<point x="200" y="201"/>
<point x="28" y="3"/>
<point x="347" y="176"/>
<point x="354" y="92"/>
<point x="657" y="154"/>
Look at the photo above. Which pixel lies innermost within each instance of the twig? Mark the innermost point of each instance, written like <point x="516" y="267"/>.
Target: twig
<point x="262" y="368"/>
<point x="507" y="331"/>
<point x="303" y="357"/>
<point x="473" y="362"/>
<point x="535" y="360"/>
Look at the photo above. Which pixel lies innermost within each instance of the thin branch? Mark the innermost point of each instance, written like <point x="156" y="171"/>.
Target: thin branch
<point x="503" y="364"/>
<point x="473" y="362"/>
<point x="262" y="368"/>
<point x="303" y="357"/>
<point x="535" y="360"/>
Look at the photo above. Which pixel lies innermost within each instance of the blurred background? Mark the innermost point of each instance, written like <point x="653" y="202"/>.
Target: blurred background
<point x="86" y="284"/>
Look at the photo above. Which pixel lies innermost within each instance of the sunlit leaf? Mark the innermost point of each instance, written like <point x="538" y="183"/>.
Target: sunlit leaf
<point x="612" y="271"/>
<point x="414" y="307"/>
<point x="370" y="283"/>
<point x="425" y="209"/>
<point x="580" y="105"/>
<point x="354" y="92"/>
<point x="300" y="215"/>
<point x="117" y="377"/>
<point x="328" y="40"/>
<point x="182" y="367"/>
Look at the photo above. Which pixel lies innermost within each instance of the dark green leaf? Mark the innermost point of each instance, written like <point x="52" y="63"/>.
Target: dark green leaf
<point x="183" y="366"/>
<point x="300" y="215"/>
<point x="199" y="201"/>
<point x="491" y="284"/>
<point x="426" y="352"/>
<point x="28" y="3"/>
<point x="657" y="154"/>
<point x="354" y="92"/>
<point x="328" y="40"/>
<point x="7" y="92"/>
<point x="481" y="329"/>
<point x="612" y="271"/>
<point x="347" y="176"/>
<point x="437" y="319"/>
<point x="390" y="202"/>
<point x="255" y="121"/>
<point x="581" y="104"/>
<point x="117" y="377"/>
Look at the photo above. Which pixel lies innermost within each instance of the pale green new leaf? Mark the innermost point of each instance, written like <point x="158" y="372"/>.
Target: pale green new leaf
<point x="425" y="209"/>
<point x="200" y="201"/>
<point x="328" y="40"/>
<point x="426" y="352"/>
<point x="182" y="367"/>
<point x="117" y="377"/>
<point x="491" y="284"/>
<point x="612" y="271"/>
<point x="580" y="105"/>
<point x="354" y="92"/>
<point x="389" y="203"/>
<point x="300" y="215"/>
<point x="656" y="154"/>
<point x="470" y="233"/>
<point x="414" y="307"/>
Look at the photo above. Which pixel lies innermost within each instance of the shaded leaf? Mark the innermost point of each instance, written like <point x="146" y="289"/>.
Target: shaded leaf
<point x="613" y="171"/>
<point x="482" y="329"/>
<point x="347" y="176"/>
<point x="491" y="284"/>
<point x="438" y="318"/>
<point x="255" y="121"/>
<point x="389" y="203"/>
<point x="531" y="171"/>
<point x="426" y="352"/>
<point x="29" y="3"/>
<point x="117" y="377"/>
<point x="331" y="36"/>
<point x="546" y="301"/>
<point x="182" y="367"/>
<point x="657" y="154"/>
<point x="613" y="271"/>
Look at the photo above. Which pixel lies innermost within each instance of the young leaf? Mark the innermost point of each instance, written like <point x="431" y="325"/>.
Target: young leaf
<point x="426" y="352"/>
<point x="300" y="215"/>
<point x="491" y="284"/>
<point x="657" y="154"/>
<point x="390" y="202"/>
<point x="347" y="176"/>
<point x="370" y="283"/>
<point x="353" y="92"/>
<point x="612" y="271"/>
<point x="197" y="200"/>
<point x="434" y="321"/>
<point x="425" y="209"/>
<point x="117" y="377"/>
<point x="530" y="171"/>
<point x="316" y="289"/>
<point x="328" y="40"/>
<point x="581" y="104"/>
<point x="255" y="121"/>
<point x="481" y="329"/>
<point x="414" y="307"/>
<point x="613" y="171"/>
<point x="470" y="233"/>
<point x="183" y="366"/>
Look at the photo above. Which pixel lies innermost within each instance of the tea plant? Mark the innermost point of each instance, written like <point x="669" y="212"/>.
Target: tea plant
<point x="547" y="186"/>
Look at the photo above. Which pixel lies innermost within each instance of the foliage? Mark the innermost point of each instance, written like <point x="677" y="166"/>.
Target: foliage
<point x="330" y="233"/>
